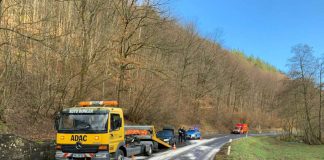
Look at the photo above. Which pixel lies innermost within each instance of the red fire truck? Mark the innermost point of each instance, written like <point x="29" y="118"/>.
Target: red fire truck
<point x="240" y="128"/>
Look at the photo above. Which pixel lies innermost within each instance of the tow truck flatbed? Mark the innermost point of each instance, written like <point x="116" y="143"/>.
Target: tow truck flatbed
<point x="145" y="133"/>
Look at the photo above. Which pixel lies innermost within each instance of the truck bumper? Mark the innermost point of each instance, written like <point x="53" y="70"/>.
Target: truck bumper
<point x="102" y="155"/>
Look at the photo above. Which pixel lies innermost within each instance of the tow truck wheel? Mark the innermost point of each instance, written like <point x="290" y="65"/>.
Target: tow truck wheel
<point x="155" y="147"/>
<point x="120" y="155"/>
<point x="148" y="151"/>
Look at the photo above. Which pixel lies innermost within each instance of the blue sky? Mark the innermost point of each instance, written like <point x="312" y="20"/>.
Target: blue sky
<point x="263" y="28"/>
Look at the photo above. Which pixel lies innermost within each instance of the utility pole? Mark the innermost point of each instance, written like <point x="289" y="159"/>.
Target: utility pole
<point x="320" y="102"/>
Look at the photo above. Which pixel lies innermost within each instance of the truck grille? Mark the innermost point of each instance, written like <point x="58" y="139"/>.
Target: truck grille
<point x="83" y="149"/>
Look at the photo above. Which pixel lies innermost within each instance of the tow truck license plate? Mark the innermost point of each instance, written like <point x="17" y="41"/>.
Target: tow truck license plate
<point x="78" y="156"/>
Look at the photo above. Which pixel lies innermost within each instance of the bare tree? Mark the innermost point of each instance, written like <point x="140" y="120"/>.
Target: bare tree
<point x="303" y="69"/>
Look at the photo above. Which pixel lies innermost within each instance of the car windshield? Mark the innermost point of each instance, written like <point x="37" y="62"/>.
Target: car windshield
<point x="165" y="133"/>
<point x="191" y="131"/>
<point x="94" y="122"/>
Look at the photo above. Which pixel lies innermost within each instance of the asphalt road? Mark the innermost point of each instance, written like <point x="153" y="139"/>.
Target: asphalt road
<point x="198" y="149"/>
<point x="205" y="151"/>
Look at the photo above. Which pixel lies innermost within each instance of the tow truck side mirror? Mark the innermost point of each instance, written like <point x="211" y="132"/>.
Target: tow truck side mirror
<point x="56" y="123"/>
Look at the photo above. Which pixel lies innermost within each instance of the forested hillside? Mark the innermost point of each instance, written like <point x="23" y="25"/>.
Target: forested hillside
<point x="57" y="53"/>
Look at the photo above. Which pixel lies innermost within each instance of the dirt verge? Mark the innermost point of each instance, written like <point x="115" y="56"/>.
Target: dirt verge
<point x="13" y="147"/>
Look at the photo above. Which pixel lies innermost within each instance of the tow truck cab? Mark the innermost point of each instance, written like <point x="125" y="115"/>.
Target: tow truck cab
<point x="92" y="131"/>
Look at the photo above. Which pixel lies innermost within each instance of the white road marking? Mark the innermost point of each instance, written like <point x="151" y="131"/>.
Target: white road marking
<point x="211" y="155"/>
<point x="203" y="148"/>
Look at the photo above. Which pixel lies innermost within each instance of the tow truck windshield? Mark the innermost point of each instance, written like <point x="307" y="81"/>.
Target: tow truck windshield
<point x="83" y="123"/>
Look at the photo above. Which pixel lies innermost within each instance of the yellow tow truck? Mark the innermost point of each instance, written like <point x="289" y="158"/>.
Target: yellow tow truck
<point x="95" y="130"/>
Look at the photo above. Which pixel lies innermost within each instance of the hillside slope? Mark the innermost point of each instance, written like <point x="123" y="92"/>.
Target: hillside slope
<point x="160" y="72"/>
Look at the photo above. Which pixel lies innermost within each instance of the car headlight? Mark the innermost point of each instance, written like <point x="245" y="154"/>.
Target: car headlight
<point x="167" y="140"/>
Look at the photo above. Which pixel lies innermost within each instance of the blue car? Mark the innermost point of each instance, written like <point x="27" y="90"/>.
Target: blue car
<point x="193" y="134"/>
